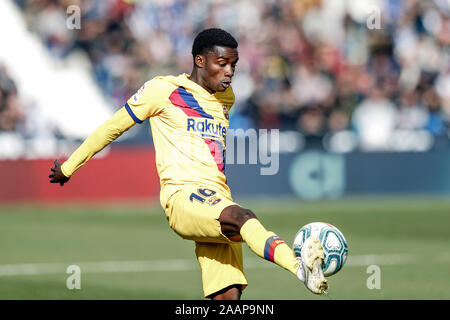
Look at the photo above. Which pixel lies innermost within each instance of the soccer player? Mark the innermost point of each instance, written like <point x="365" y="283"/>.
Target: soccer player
<point x="188" y="115"/>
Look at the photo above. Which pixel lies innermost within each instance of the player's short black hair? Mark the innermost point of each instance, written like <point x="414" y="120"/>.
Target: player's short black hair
<point x="209" y="38"/>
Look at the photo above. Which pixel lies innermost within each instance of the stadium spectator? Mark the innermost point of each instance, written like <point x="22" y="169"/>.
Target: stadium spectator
<point x="11" y="114"/>
<point x="375" y="120"/>
<point x="412" y="114"/>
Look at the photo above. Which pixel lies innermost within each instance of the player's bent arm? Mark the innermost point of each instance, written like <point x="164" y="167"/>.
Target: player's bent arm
<point x="109" y="131"/>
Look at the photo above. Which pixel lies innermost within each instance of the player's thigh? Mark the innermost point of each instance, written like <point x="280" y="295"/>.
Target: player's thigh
<point x="221" y="265"/>
<point x="193" y="213"/>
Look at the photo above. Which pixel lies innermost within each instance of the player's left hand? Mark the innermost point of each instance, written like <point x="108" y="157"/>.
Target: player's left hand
<point x="57" y="176"/>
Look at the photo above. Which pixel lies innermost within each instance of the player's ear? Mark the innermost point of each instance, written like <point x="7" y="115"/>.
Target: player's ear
<point x="199" y="61"/>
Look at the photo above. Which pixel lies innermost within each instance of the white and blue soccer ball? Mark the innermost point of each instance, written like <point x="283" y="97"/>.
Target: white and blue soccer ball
<point x="333" y="243"/>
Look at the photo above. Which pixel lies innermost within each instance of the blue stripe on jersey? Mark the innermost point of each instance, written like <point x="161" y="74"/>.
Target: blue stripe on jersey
<point x="132" y="115"/>
<point x="192" y="103"/>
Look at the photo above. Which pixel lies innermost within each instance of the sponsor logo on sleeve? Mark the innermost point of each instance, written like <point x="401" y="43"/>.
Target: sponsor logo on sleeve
<point x="139" y="93"/>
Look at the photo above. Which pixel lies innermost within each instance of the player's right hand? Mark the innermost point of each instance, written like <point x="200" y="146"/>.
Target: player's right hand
<point x="57" y="176"/>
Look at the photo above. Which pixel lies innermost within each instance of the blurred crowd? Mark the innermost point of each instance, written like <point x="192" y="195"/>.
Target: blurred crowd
<point x="11" y="113"/>
<point x="314" y="66"/>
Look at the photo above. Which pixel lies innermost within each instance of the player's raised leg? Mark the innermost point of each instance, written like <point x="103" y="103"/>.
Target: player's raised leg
<point x="237" y="223"/>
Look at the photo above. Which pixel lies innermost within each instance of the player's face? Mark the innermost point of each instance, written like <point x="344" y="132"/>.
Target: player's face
<point x="219" y="68"/>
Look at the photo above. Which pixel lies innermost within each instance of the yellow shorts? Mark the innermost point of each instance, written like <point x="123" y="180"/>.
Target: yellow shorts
<point x="193" y="214"/>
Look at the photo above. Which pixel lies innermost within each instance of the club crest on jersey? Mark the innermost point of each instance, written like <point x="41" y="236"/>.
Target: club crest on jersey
<point x="225" y="112"/>
<point x="213" y="200"/>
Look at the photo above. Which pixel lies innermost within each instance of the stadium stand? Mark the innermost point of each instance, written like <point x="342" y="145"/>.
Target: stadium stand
<point x="295" y="74"/>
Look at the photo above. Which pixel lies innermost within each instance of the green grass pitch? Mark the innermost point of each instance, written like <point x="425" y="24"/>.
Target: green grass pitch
<point x="129" y="251"/>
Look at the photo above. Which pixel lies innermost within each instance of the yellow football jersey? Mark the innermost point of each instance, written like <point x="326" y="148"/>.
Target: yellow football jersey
<point x="189" y="126"/>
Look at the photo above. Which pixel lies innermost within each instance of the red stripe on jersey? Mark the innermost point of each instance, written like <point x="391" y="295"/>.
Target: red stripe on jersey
<point x="216" y="149"/>
<point x="176" y="100"/>
<point x="188" y="104"/>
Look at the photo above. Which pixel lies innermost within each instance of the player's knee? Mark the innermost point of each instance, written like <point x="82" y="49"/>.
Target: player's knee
<point x="232" y="219"/>
<point x="237" y="216"/>
<point x="245" y="215"/>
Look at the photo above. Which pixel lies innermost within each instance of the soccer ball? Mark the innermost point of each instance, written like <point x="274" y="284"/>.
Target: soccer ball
<point x="333" y="243"/>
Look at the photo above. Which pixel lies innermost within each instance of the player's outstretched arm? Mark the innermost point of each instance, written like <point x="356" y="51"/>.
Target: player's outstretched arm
<point x="99" y="139"/>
